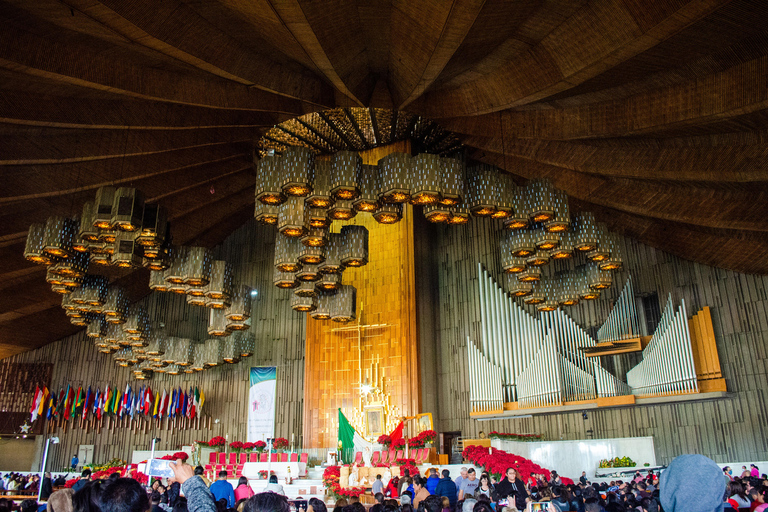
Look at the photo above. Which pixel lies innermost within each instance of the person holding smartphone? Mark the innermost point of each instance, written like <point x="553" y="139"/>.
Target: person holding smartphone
<point x="513" y="489"/>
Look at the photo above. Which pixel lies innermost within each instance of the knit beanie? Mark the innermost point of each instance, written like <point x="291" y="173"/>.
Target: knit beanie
<point x="692" y="483"/>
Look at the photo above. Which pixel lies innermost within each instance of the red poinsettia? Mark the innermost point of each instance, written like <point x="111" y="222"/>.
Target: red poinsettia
<point x="399" y="443"/>
<point x="217" y="441"/>
<point x="279" y="442"/>
<point x="384" y="439"/>
<point x="236" y="445"/>
<point x="331" y="481"/>
<point x="259" y="446"/>
<point x="428" y="436"/>
<point x="416" y="442"/>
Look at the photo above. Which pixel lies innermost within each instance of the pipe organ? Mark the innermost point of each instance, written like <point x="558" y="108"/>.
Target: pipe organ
<point x="548" y="360"/>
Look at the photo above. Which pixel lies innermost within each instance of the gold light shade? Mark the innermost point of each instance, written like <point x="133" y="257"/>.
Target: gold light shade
<point x="266" y="213"/>
<point x="332" y="263"/>
<point x="342" y="210"/>
<point x="586" y="234"/>
<point x="311" y="255"/>
<point x="505" y="195"/>
<point x="344" y="304"/>
<point x="297" y="165"/>
<point x="322" y="310"/>
<point x="329" y="282"/>
<point x="102" y="211"/>
<point x="317" y="218"/>
<point x="452" y="175"/>
<point x="541" y="195"/>
<point x="306" y="289"/>
<point x="425" y="179"/>
<point x="345" y="168"/>
<point x="126" y="252"/>
<point x="320" y="196"/>
<point x="459" y="215"/>
<point x="482" y="190"/>
<point x="217" y="323"/>
<point x="268" y="181"/>
<point x="368" y="183"/>
<point x="291" y="219"/>
<point x="59" y="237"/>
<point x="197" y="266"/>
<point x="315" y="238"/>
<point x="287" y="254"/>
<point x="354" y="250"/>
<point x="284" y="279"/>
<point x="389" y="213"/>
<point x="308" y="273"/>
<point x="520" y="243"/>
<point x="395" y="178"/>
<point x="127" y="209"/>
<point x="437" y="213"/>
<point x="34" y="250"/>
<point x="220" y="285"/>
<point x="303" y="304"/>
<point x="519" y="288"/>
<point x="154" y="226"/>
<point x="536" y="296"/>
<point x="538" y="259"/>
<point x="530" y="275"/>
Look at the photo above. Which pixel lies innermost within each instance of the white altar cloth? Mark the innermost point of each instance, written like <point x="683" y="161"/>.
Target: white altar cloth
<point x="251" y="469"/>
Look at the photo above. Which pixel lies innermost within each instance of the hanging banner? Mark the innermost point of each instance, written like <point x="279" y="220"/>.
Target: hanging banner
<point x="261" y="403"/>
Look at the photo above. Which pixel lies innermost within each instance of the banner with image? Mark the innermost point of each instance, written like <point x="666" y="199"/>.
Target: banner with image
<point x="261" y="403"/>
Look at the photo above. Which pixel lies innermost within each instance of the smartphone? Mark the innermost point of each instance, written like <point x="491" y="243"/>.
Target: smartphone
<point x="160" y="467"/>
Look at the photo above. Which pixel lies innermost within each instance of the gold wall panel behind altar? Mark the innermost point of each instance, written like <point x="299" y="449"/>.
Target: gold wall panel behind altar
<point x="386" y="294"/>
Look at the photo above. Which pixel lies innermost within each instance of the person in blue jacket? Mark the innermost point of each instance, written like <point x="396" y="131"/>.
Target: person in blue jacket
<point x="221" y="489"/>
<point x="447" y="487"/>
<point x="432" y="481"/>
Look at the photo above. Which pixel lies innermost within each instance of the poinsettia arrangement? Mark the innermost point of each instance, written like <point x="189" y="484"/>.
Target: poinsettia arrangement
<point x="248" y="446"/>
<point x="236" y="446"/>
<point x="398" y="443"/>
<point x="409" y="464"/>
<point x="217" y="441"/>
<point x="331" y="482"/>
<point x="385" y="440"/>
<point x="183" y="456"/>
<point x="128" y="471"/>
<point x="259" y="446"/>
<point x="496" y="462"/>
<point x="280" y="442"/>
<point x="415" y="442"/>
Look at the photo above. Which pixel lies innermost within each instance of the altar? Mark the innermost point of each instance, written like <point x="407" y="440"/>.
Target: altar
<point x="281" y="469"/>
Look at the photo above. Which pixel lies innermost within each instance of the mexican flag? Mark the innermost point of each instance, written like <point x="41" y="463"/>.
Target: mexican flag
<point x="351" y="440"/>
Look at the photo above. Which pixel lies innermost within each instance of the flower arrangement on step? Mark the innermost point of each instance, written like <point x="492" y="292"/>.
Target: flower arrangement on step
<point x="265" y="474"/>
<point x="515" y="437"/>
<point x="398" y="444"/>
<point x="409" y="464"/>
<point x="331" y="482"/>
<point x="279" y="443"/>
<point x="248" y="447"/>
<point x="496" y="463"/>
<point x="616" y="462"/>
<point x="236" y="446"/>
<point x="416" y="442"/>
<point x="113" y="466"/>
<point x="216" y="442"/>
<point x="384" y="440"/>
<point x="182" y="456"/>
<point x="259" y="446"/>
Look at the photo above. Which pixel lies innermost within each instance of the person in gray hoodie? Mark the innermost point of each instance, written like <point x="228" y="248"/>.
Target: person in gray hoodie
<point x="692" y="483"/>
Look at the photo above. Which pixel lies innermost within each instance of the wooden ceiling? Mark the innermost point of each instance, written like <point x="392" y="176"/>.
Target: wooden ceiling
<point x="653" y="113"/>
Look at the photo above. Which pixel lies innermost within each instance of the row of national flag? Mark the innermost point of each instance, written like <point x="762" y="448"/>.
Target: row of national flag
<point x="70" y="403"/>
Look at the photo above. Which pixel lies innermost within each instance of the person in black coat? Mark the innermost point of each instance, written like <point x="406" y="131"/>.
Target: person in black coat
<point x="446" y="487"/>
<point x="512" y="488"/>
<point x="46" y="488"/>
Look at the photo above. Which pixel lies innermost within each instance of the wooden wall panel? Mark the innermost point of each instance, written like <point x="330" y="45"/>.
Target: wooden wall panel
<point x="280" y="342"/>
<point x="725" y="430"/>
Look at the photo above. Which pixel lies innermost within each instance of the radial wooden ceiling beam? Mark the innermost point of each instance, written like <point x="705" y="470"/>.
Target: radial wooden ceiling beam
<point x="597" y="37"/>
<point x="353" y="122"/>
<point x="336" y="129"/>
<point x="329" y="142"/>
<point x="303" y="139"/>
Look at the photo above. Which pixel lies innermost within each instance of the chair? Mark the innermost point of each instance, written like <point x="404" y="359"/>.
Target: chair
<point x="222" y="459"/>
<point x="294" y="457"/>
<point x="264" y="457"/>
<point x="275" y="457"/>
<point x="304" y="458"/>
<point x="212" y="458"/>
<point x="232" y="459"/>
<point x="243" y="458"/>
<point x="384" y="457"/>
<point x="375" y="458"/>
<point x="421" y="455"/>
<point x="283" y="457"/>
<point x="399" y="455"/>
<point x="254" y="457"/>
<point x="358" y="457"/>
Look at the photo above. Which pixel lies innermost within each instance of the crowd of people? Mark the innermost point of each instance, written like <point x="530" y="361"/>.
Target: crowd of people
<point x="691" y="483"/>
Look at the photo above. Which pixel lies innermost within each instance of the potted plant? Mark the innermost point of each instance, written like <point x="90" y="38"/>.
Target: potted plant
<point x="259" y="446"/>
<point x="236" y="446"/>
<point x="217" y="442"/>
<point x="384" y="440"/>
<point x="280" y="443"/>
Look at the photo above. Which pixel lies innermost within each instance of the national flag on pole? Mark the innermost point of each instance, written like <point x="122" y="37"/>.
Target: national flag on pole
<point x="36" y="401"/>
<point x="52" y="406"/>
<point x="172" y="407"/>
<point x="346" y="438"/>
<point x="186" y="408"/>
<point x="398" y="432"/>
<point x="156" y="407"/>
<point x="88" y="398"/>
<point x="96" y="405"/>
<point x="79" y="400"/>
<point x="44" y="401"/>
<point x="68" y="399"/>
<point x="107" y="397"/>
<point x="179" y="402"/>
<point x="117" y="401"/>
<point x="164" y="404"/>
<point x="126" y="400"/>
<point x="148" y="401"/>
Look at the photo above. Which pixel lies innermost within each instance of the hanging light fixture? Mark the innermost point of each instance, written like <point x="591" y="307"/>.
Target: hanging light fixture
<point x="425" y="180"/>
<point x="217" y="323"/>
<point x="213" y="352"/>
<point x="344" y="304"/>
<point x="544" y="240"/>
<point x="333" y="254"/>
<point x="287" y="254"/>
<point x="86" y="230"/>
<point x="303" y="304"/>
<point x="323" y="309"/>
<point x="156" y="281"/>
<point x="311" y="255"/>
<point x="518" y="288"/>
<point x="107" y="236"/>
<point x="562" y="217"/>
<point x="197" y="266"/>
<point x="342" y="209"/>
<point x="452" y="174"/>
<point x="389" y="213"/>
<point x="34" y="250"/>
<point x="94" y="292"/>
<point x="597" y="279"/>
<point x="601" y="252"/>
<point x="102" y="212"/>
<point x="97" y="328"/>
<point x="482" y="193"/>
<point x="320" y="196"/>
<point x="521" y="210"/>
<point x="521" y="243"/>
<point x="137" y="321"/>
<point x="564" y="249"/>
<point x="269" y="181"/>
<point x="175" y="272"/>
<point x="266" y="213"/>
<point x="240" y="308"/>
<point x="219" y="289"/>
<point x="317" y="218"/>
<point x="569" y="294"/>
<point x="582" y="283"/>
<point x="368" y="183"/>
<point x="297" y="163"/>
<point x="76" y="266"/>
<point x="586" y="234"/>
<point x="53" y="277"/>
<point x="291" y="220"/>
<point x="537" y="259"/>
<point x="127" y="209"/>
<point x="308" y="273"/>
<point x="154" y="226"/>
<point x="59" y="236"/>
<point x="126" y="253"/>
<point x="530" y="275"/>
<point x="459" y="215"/>
<point x="542" y="200"/>
<point x="329" y="282"/>
<point x="354" y="251"/>
<point x="550" y="302"/>
<point x="315" y="238"/>
<point x="306" y="289"/>
<point x="345" y="167"/>
<point x="614" y="261"/>
<point x="395" y="177"/>
<point x="505" y="195"/>
<point x="437" y="213"/>
<point x="230" y="349"/>
<point x="512" y="264"/>
<point x="247" y="345"/>
<point x="115" y="307"/>
<point x="536" y="296"/>
<point x="285" y="279"/>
